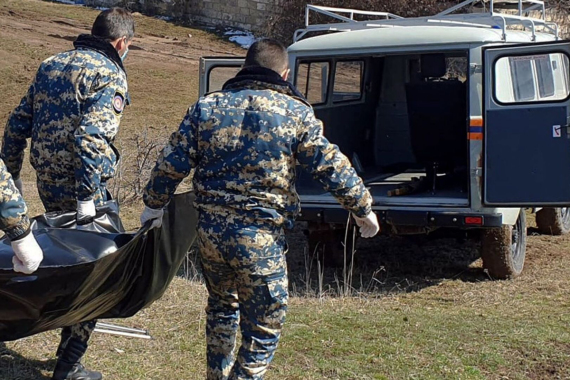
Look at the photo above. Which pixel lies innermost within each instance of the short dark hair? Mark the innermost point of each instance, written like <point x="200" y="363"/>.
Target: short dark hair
<point x="114" y="23"/>
<point x="268" y="53"/>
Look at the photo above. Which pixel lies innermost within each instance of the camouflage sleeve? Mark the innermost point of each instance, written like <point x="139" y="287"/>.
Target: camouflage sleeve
<point x="331" y="168"/>
<point x="17" y="130"/>
<point x="13" y="210"/>
<point x="97" y="129"/>
<point x="175" y="162"/>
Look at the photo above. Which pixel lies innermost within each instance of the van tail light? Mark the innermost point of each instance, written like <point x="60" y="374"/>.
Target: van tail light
<point x="474" y="220"/>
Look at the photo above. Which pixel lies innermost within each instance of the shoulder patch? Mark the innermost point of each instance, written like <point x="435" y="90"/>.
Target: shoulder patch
<point x="118" y="102"/>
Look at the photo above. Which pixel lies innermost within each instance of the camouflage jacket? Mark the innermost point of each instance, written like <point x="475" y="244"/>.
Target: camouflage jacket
<point x="13" y="210"/>
<point x="71" y="113"/>
<point x="244" y="142"/>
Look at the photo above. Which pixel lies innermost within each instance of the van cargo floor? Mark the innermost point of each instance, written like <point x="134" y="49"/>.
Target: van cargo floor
<point x="448" y="195"/>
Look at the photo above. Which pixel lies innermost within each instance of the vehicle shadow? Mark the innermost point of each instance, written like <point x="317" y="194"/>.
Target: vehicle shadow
<point x="386" y="264"/>
<point x="14" y="366"/>
<point x="382" y="265"/>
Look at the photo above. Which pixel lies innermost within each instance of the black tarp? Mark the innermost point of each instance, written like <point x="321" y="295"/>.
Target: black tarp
<point x="93" y="271"/>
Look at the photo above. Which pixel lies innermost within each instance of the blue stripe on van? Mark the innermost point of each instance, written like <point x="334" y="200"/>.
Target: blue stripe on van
<point x="476" y="129"/>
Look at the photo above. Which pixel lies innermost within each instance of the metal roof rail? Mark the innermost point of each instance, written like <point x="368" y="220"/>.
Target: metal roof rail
<point x="337" y="13"/>
<point x="502" y="14"/>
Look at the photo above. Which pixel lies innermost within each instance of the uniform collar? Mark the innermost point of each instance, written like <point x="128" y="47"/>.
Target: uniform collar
<point x="87" y="41"/>
<point x="259" y="78"/>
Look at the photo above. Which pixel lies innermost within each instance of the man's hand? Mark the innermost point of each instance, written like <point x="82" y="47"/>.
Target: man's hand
<point x="19" y="186"/>
<point x="85" y="210"/>
<point x="153" y="214"/>
<point x="368" y="225"/>
<point x="27" y="254"/>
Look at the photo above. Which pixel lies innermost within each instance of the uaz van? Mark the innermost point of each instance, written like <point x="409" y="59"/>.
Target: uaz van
<point x="459" y="120"/>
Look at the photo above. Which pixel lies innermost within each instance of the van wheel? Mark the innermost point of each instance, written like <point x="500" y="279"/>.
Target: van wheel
<point x="503" y="249"/>
<point x="553" y="221"/>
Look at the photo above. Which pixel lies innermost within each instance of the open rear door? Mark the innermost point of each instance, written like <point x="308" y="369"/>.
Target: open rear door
<point x="526" y="136"/>
<point x="215" y="71"/>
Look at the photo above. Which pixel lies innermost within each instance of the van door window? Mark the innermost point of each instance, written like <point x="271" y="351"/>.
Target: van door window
<point x="532" y="78"/>
<point x="545" y="76"/>
<point x="312" y="81"/>
<point x="347" y="81"/>
<point x="220" y="75"/>
<point x="523" y="81"/>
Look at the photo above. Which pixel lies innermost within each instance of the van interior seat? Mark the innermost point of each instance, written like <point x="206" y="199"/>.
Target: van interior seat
<point x="437" y="111"/>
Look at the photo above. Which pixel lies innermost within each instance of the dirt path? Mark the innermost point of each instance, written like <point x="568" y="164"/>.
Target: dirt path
<point x="162" y="69"/>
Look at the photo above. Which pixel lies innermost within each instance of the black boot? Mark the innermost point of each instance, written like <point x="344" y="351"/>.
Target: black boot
<point x="68" y="366"/>
<point x="65" y="335"/>
<point x="64" y="371"/>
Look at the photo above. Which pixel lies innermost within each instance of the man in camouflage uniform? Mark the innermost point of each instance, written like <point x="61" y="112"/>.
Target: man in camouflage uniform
<point x="72" y="113"/>
<point x="15" y="223"/>
<point x="244" y="142"/>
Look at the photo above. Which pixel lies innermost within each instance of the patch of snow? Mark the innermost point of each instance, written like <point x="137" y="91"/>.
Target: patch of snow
<point x="164" y="18"/>
<point x="72" y="2"/>
<point x="79" y="2"/>
<point x="243" y="38"/>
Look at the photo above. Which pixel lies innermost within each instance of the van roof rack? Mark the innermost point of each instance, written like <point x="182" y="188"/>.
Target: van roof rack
<point x="503" y="14"/>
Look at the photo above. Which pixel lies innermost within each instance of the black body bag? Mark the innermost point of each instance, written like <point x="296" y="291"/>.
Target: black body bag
<point x="93" y="271"/>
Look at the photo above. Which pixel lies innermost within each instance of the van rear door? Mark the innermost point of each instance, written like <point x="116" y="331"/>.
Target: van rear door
<point x="215" y="71"/>
<point x="526" y="133"/>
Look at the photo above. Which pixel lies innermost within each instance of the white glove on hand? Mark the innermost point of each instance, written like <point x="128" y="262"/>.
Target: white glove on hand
<point x="154" y="214"/>
<point x="27" y="254"/>
<point x="19" y="186"/>
<point x="368" y="225"/>
<point x="85" y="210"/>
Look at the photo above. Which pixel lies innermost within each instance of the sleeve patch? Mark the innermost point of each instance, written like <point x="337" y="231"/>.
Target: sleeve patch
<point x="118" y="102"/>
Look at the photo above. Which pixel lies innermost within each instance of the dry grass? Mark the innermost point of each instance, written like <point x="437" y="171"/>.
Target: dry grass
<point x="423" y="308"/>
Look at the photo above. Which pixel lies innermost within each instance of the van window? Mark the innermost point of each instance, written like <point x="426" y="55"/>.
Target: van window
<point x="312" y="81"/>
<point x="522" y="78"/>
<point x="347" y="81"/>
<point x="219" y="75"/>
<point x="456" y="68"/>
<point x="532" y="78"/>
<point x="545" y="76"/>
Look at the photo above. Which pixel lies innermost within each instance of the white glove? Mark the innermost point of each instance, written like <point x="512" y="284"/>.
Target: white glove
<point x="368" y="225"/>
<point x="85" y="210"/>
<point x="154" y="214"/>
<point x="27" y="254"/>
<point x="19" y="186"/>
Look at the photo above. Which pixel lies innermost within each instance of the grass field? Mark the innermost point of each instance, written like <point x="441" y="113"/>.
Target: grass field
<point x="421" y="308"/>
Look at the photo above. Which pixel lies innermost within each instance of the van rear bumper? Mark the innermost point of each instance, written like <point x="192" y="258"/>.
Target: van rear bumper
<point x="435" y="219"/>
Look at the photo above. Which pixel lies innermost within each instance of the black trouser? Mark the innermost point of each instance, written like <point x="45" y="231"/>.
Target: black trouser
<point x="74" y="339"/>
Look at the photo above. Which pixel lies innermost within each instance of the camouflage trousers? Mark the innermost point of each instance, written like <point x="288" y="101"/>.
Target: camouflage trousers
<point x="74" y="339"/>
<point x="246" y="276"/>
<point x="58" y="197"/>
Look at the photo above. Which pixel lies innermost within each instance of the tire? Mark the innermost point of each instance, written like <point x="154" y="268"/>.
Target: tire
<point x="553" y="221"/>
<point x="503" y="249"/>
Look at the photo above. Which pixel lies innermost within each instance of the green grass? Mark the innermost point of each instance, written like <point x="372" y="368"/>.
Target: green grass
<point x="397" y="339"/>
<point x="409" y="336"/>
